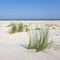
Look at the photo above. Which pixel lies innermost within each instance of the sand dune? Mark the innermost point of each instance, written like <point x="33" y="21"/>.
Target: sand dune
<point x="11" y="46"/>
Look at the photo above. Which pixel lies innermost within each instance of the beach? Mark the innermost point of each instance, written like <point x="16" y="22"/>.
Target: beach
<point x="12" y="45"/>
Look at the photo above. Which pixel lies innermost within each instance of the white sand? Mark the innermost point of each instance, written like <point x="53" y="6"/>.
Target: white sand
<point x="11" y="46"/>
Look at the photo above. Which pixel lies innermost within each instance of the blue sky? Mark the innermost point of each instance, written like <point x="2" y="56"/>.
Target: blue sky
<point x="29" y="9"/>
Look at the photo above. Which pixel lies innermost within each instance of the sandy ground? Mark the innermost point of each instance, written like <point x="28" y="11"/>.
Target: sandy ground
<point x="12" y="46"/>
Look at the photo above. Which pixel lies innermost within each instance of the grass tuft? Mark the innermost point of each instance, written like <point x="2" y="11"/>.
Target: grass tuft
<point x="13" y="28"/>
<point x="20" y="27"/>
<point x="37" y="28"/>
<point x="49" y="25"/>
<point x="39" y="43"/>
<point x="27" y="28"/>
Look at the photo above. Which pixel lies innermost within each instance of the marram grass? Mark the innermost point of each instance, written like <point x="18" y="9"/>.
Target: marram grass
<point x="20" y="27"/>
<point x="43" y="42"/>
<point x="13" y="28"/>
<point x="37" y="28"/>
<point x="39" y="40"/>
<point x="49" y="25"/>
<point x="27" y="28"/>
<point x="33" y="40"/>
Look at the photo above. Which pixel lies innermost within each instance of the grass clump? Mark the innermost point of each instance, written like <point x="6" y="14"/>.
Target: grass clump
<point x="40" y="40"/>
<point x="20" y="27"/>
<point x="13" y="28"/>
<point x="54" y="27"/>
<point x="26" y="28"/>
<point x="33" y="39"/>
<point x="49" y="25"/>
<point x="43" y="42"/>
<point x="37" y="28"/>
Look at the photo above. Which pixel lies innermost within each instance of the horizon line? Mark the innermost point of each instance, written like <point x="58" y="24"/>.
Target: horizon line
<point x="29" y="19"/>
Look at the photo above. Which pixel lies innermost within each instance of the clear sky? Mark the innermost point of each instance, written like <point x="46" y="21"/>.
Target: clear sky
<point x="29" y="9"/>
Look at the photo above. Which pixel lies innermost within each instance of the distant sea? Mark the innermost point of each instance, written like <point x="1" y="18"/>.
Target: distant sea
<point x="27" y="19"/>
<point x="39" y="21"/>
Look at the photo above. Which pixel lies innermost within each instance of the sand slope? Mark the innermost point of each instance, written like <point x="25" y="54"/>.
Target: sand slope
<point x="12" y="47"/>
